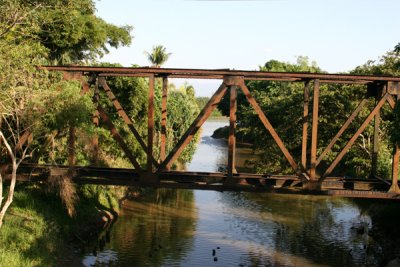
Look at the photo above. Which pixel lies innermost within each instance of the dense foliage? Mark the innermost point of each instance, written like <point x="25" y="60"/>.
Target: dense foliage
<point x="202" y="102"/>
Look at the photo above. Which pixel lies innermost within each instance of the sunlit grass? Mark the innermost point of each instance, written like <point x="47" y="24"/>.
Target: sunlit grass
<point x="29" y="236"/>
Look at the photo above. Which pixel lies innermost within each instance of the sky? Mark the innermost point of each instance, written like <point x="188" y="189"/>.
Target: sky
<point x="208" y="34"/>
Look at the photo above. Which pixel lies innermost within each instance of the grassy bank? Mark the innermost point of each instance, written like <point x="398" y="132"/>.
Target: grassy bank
<point x="34" y="230"/>
<point x="37" y="230"/>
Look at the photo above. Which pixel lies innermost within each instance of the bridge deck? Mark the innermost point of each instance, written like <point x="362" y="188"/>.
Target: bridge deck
<point x="220" y="74"/>
<point x="287" y="184"/>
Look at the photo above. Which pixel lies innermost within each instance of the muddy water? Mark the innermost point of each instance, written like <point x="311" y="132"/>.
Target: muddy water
<point x="205" y="228"/>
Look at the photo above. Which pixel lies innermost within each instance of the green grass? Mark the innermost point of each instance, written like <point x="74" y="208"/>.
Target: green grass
<point x="32" y="233"/>
<point x="37" y="227"/>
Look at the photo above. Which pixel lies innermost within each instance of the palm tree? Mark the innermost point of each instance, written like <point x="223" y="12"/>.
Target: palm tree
<point x="158" y="55"/>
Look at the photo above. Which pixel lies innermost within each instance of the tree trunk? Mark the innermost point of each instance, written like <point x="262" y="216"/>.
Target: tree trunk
<point x="1" y="189"/>
<point x="13" y="180"/>
<point x="10" y="191"/>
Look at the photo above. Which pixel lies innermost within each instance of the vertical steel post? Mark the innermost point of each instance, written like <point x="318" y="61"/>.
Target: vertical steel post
<point x="164" y="119"/>
<point x="305" y="125"/>
<point x="95" y="120"/>
<point x="395" y="171"/>
<point x="395" y="162"/>
<point x="150" y="124"/>
<point x="314" y="130"/>
<point x="232" y="126"/>
<point x="375" y="148"/>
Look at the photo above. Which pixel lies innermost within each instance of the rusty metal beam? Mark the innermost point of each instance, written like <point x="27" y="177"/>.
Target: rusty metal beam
<point x="124" y="116"/>
<point x="232" y="126"/>
<point x="306" y="103"/>
<point x="395" y="161"/>
<point x="375" y="146"/>
<point x="164" y="101"/>
<point x="150" y="125"/>
<point x="355" y="136"/>
<point x="95" y="120"/>
<point x="118" y="138"/>
<point x="194" y="127"/>
<point x="337" y="186"/>
<point x="269" y="127"/>
<point x="220" y="77"/>
<point x="204" y="73"/>
<point x="341" y="131"/>
<point x="314" y="130"/>
<point x="391" y="102"/>
<point x="394" y="188"/>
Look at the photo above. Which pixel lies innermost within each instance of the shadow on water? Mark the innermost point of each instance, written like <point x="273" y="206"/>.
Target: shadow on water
<point x="153" y="231"/>
<point x="207" y="228"/>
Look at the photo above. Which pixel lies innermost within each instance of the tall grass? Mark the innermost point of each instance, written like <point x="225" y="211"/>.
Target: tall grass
<point x="33" y="230"/>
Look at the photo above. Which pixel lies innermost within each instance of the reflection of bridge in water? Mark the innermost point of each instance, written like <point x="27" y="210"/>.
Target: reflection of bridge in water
<point x="157" y="173"/>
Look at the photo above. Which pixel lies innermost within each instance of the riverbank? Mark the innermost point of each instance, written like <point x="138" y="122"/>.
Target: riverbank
<point x="34" y="230"/>
<point x="37" y="230"/>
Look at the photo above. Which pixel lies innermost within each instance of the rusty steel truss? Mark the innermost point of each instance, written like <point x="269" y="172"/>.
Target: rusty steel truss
<point x="157" y="173"/>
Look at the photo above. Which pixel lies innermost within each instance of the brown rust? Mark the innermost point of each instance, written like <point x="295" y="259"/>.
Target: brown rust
<point x="375" y="146"/>
<point x="306" y="103"/>
<point x="205" y="73"/>
<point x="395" y="163"/>
<point x="95" y="120"/>
<point x="164" y="101"/>
<point x="150" y="125"/>
<point x="314" y="131"/>
<point x="231" y="137"/>
<point x="206" y="181"/>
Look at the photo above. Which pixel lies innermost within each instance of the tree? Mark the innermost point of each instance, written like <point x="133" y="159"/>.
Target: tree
<point x="69" y="30"/>
<point x="11" y="136"/>
<point x="158" y="55"/>
<point x="34" y="102"/>
<point x="397" y="48"/>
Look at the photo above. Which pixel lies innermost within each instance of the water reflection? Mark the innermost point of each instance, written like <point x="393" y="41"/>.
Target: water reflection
<point x="211" y="154"/>
<point x="156" y="230"/>
<point x="276" y="230"/>
<point x="206" y="228"/>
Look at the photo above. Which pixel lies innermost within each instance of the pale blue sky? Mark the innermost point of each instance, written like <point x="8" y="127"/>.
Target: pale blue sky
<point x="338" y="34"/>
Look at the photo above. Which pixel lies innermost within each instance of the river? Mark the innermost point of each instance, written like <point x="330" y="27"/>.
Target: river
<point x="207" y="228"/>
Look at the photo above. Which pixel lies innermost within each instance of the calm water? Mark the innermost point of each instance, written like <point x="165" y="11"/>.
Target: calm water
<point x="205" y="228"/>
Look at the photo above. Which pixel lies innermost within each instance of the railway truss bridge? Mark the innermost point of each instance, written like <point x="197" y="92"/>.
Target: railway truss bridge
<point x="308" y="176"/>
